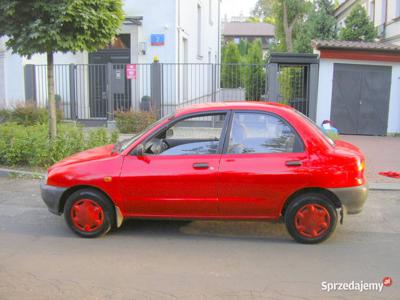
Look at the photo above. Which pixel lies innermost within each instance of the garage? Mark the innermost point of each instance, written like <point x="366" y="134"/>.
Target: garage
<point x="360" y="98"/>
<point x="359" y="86"/>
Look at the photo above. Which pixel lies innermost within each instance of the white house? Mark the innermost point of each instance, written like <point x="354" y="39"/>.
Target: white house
<point x="174" y="31"/>
<point x="385" y="14"/>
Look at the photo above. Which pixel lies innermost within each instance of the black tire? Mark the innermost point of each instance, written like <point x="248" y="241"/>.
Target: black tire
<point x="108" y="215"/>
<point x="299" y="203"/>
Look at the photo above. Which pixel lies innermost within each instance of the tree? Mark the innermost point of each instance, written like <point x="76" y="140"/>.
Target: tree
<point x="286" y="15"/>
<point x="230" y="73"/>
<point x="49" y="26"/>
<point x="255" y="75"/>
<point x="358" y="26"/>
<point x="320" y="24"/>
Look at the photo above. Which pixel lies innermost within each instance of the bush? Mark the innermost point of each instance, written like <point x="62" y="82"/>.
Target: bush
<point x="133" y="121"/>
<point x="27" y="114"/>
<point x="30" y="145"/>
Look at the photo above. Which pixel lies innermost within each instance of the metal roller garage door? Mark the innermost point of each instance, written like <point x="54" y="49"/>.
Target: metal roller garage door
<point x="360" y="98"/>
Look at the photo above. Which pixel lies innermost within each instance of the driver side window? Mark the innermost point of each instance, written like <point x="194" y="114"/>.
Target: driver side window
<point x="197" y="135"/>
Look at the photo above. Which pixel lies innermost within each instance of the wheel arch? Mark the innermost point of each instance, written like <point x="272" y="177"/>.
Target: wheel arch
<point x="75" y="188"/>
<point x="330" y="195"/>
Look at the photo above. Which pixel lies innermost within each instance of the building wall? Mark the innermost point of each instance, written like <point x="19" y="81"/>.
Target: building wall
<point x="188" y="24"/>
<point x="11" y="77"/>
<point x="325" y="91"/>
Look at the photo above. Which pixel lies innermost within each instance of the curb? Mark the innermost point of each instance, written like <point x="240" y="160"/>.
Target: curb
<point x="384" y="186"/>
<point x="20" y="174"/>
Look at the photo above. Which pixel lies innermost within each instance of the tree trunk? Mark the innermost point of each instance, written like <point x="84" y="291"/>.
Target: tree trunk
<point x="288" y="29"/>
<point x="50" y="96"/>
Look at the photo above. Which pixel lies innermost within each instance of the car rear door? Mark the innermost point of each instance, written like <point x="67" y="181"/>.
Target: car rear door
<point x="180" y="180"/>
<point x="263" y="163"/>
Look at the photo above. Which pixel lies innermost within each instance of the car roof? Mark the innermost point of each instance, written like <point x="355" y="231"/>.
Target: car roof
<point x="245" y="105"/>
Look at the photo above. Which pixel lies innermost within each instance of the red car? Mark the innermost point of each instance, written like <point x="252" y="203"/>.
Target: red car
<point x="236" y="161"/>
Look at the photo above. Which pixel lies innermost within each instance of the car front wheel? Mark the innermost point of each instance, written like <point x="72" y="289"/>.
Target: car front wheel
<point x="89" y="213"/>
<point x="311" y="218"/>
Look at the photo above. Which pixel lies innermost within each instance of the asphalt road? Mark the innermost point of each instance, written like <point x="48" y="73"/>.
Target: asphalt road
<point x="41" y="259"/>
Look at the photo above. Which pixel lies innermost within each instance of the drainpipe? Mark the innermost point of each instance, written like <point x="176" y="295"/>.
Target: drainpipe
<point x="219" y="31"/>
<point x="179" y="51"/>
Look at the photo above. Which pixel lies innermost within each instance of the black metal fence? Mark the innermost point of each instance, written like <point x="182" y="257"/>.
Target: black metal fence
<point x="96" y="91"/>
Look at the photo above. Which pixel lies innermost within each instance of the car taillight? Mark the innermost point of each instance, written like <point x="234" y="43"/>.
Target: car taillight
<point x="360" y="171"/>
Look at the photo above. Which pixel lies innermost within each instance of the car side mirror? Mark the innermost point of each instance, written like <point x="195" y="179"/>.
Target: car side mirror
<point x="139" y="151"/>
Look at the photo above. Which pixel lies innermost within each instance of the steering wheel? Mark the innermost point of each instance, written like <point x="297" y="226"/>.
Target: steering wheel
<point x="156" y="146"/>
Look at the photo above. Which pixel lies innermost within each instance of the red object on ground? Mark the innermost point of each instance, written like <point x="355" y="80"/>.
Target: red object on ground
<point x="268" y="162"/>
<point x="390" y="174"/>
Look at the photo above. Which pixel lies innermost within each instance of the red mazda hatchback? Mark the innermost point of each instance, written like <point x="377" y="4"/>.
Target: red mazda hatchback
<point x="236" y="161"/>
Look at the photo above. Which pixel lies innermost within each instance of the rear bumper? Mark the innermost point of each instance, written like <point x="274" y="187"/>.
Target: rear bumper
<point x="51" y="195"/>
<point x="352" y="198"/>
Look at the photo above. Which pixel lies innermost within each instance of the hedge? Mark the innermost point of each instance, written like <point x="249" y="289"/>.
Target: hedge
<point x="30" y="145"/>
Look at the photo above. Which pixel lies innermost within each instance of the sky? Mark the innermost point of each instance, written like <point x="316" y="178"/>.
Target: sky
<point x="235" y="7"/>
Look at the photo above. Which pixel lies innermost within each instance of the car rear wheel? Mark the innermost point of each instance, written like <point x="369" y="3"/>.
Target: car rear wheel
<point x="89" y="213"/>
<point x="311" y="218"/>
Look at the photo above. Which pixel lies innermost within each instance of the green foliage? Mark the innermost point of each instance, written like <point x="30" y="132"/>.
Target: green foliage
<point x="133" y="121"/>
<point x="26" y="114"/>
<point x="308" y="20"/>
<point x="296" y="9"/>
<point x="255" y="75"/>
<point x="230" y="70"/>
<point x="290" y="78"/>
<point x="320" y="24"/>
<point x="358" y="26"/>
<point x="243" y="66"/>
<point x="30" y="145"/>
<point x="47" y="26"/>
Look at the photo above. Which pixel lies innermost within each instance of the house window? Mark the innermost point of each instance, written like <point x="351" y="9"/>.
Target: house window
<point x="210" y="12"/>
<point x="372" y="10"/>
<point x="199" y="30"/>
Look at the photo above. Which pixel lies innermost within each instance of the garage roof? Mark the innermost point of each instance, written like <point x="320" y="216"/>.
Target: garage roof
<point x="248" y="29"/>
<point x="350" y="45"/>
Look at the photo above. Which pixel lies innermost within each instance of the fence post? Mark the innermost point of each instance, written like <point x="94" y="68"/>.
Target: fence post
<point x="156" y="86"/>
<point x="72" y="92"/>
<point x="30" y="83"/>
<point x="272" y="82"/>
<point x="110" y="106"/>
<point x="214" y="83"/>
<point x="313" y="91"/>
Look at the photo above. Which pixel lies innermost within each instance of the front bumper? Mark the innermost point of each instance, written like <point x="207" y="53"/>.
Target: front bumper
<point x="352" y="198"/>
<point x="51" y="195"/>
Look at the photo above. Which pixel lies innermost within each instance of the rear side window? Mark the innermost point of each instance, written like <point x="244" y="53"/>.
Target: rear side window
<point x="262" y="133"/>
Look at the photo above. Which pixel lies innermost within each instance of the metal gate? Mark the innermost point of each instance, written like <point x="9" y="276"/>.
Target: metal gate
<point x="293" y="80"/>
<point x="360" y="98"/>
<point x="95" y="91"/>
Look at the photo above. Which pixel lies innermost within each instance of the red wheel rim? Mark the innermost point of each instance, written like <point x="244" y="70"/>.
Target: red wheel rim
<point x="312" y="220"/>
<point x="87" y="215"/>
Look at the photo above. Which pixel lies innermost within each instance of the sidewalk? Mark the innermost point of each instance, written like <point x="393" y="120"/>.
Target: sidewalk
<point x="382" y="154"/>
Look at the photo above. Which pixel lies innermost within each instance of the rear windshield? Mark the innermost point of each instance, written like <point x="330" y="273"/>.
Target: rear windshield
<point x="313" y="124"/>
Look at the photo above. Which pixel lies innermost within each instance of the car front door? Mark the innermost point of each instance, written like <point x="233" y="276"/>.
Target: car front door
<point x="177" y="174"/>
<point x="262" y="165"/>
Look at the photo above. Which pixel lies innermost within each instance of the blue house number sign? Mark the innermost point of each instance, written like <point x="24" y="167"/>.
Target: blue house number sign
<point x="157" y="39"/>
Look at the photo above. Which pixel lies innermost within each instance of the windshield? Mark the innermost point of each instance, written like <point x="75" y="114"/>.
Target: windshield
<point x="122" y="145"/>
<point x="329" y="140"/>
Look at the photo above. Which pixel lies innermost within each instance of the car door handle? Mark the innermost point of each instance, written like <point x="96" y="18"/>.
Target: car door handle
<point x="293" y="163"/>
<point x="200" y="165"/>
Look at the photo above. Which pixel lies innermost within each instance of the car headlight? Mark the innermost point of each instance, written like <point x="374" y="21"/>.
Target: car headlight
<point x="45" y="178"/>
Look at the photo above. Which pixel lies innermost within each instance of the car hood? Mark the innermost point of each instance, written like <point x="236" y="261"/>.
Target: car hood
<point x="84" y="156"/>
